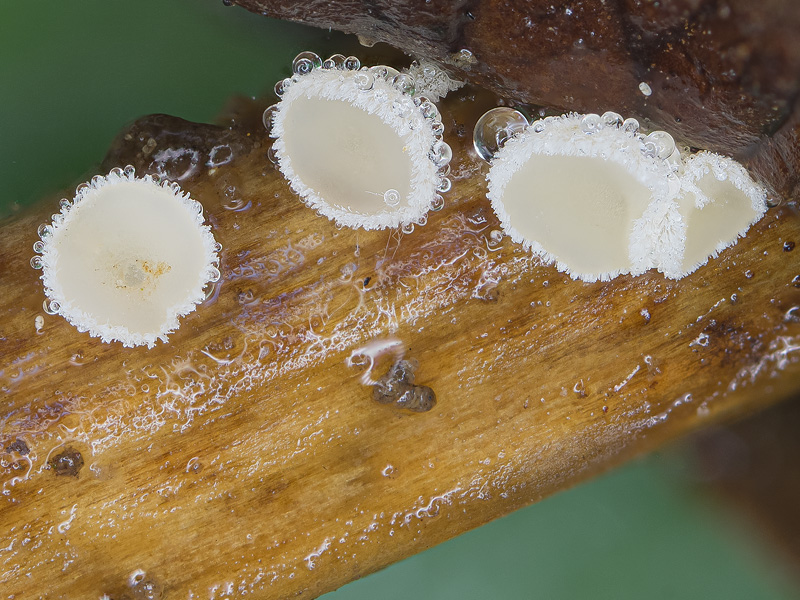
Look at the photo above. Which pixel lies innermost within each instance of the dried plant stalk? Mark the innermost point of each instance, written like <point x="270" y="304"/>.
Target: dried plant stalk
<point x="268" y="448"/>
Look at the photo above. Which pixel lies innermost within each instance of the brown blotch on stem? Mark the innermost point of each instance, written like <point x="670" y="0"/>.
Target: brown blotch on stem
<point x="18" y="446"/>
<point x="397" y="388"/>
<point x="68" y="462"/>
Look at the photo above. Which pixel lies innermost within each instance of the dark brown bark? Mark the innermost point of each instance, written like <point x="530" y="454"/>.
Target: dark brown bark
<point x="724" y="75"/>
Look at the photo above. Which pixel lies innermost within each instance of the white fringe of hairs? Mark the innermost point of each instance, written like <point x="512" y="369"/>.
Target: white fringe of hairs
<point x="658" y="237"/>
<point x="385" y="101"/>
<point x="87" y="194"/>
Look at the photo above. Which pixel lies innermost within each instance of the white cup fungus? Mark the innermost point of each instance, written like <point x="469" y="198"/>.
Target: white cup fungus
<point x="718" y="203"/>
<point x="599" y="199"/>
<point x="358" y="144"/>
<point x="126" y="258"/>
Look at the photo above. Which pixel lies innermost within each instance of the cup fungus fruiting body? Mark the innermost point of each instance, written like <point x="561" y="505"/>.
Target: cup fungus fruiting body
<point x="717" y="204"/>
<point x="599" y="199"/>
<point x="126" y="258"/>
<point x="357" y="145"/>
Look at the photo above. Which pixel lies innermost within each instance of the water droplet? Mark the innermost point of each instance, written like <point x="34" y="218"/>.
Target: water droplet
<point x="538" y="127"/>
<point x="796" y="281"/>
<point x="438" y="128"/>
<point x="305" y="62"/>
<point x="51" y="307"/>
<point x="302" y="66"/>
<point x="268" y="117"/>
<point x="38" y="246"/>
<point x="495" y="128"/>
<point x="379" y="71"/>
<point x="408" y="228"/>
<point x="440" y="153"/>
<point x="444" y="185"/>
<point x="36" y="262"/>
<point x="335" y="61"/>
<point x="437" y="204"/>
<point x="83" y="188"/>
<point x="590" y="123"/>
<point x="645" y="89"/>
<point x="404" y="83"/>
<point x="66" y="204"/>
<point x="611" y="119"/>
<point x="391" y="73"/>
<point x="44" y="230"/>
<point x="429" y="111"/>
<point x="663" y="142"/>
<point x="129" y="170"/>
<point x="214" y="274"/>
<point x="272" y="155"/>
<point x="649" y="148"/>
<point x="282" y="86"/>
<point x="748" y="274"/>
<point x="351" y="63"/>
<point x="787" y="246"/>
<point x="391" y="197"/>
<point x="630" y="126"/>
<point x="364" y="80"/>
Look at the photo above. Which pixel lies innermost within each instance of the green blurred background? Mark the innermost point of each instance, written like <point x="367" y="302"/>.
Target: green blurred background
<point x="72" y="74"/>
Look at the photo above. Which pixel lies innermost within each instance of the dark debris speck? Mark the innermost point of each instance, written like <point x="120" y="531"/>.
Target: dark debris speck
<point x="18" y="446"/>
<point x="68" y="462"/>
<point x="397" y="388"/>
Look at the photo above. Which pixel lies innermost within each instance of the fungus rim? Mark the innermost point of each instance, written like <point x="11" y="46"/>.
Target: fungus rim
<point x="85" y="321"/>
<point x="565" y="136"/>
<point x="381" y="99"/>
<point x="723" y="168"/>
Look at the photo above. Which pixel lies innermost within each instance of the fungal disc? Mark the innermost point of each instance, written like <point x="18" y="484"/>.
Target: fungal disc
<point x="360" y="155"/>
<point x="574" y="197"/>
<point x="127" y="258"/>
<point x="719" y="203"/>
